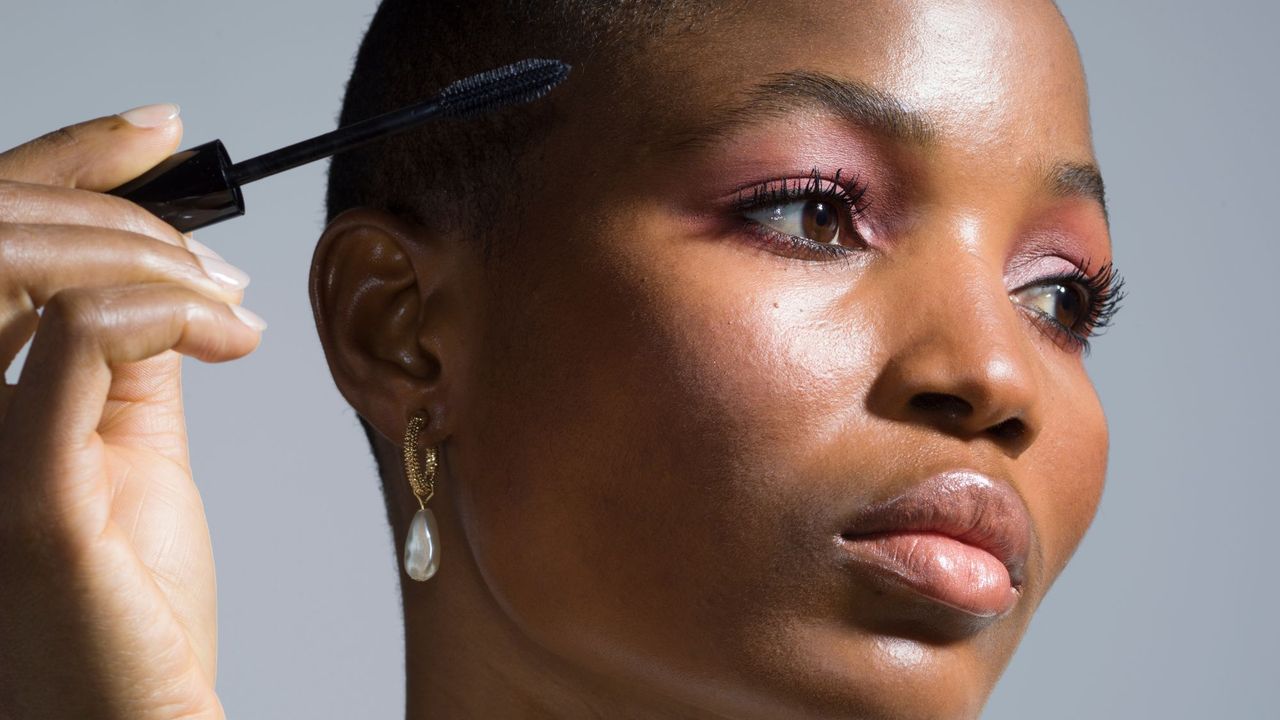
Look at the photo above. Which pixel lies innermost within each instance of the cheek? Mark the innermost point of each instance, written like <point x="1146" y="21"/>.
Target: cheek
<point x="768" y="366"/>
<point x="1067" y="470"/>
<point x="653" y="437"/>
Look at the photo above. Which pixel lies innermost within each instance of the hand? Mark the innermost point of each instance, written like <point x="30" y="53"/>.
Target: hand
<point x="107" y="602"/>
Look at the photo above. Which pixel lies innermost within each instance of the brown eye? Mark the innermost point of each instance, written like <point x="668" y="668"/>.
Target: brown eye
<point x="821" y="222"/>
<point x="1065" y="304"/>
<point x="817" y="220"/>
<point x="1078" y="304"/>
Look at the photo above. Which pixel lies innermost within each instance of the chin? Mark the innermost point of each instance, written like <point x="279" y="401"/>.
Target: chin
<point x="831" y="672"/>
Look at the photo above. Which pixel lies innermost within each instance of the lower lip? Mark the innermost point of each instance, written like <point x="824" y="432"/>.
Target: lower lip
<point x="940" y="568"/>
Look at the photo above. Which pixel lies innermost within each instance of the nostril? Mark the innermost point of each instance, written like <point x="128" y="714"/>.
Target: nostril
<point x="950" y="406"/>
<point x="1012" y="429"/>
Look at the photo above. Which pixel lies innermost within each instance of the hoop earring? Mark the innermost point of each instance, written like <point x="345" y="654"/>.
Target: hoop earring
<point x="422" y="546"/>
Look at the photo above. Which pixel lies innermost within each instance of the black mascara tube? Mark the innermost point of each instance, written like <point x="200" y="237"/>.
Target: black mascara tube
<point x="200" y="186"/>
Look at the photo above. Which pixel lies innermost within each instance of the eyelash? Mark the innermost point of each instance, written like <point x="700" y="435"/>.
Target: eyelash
<point x="851" y="196"/>
<point x="1104" y="290"/>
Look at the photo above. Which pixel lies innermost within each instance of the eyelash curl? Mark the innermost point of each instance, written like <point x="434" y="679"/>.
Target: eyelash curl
<point x="849" y="195"/>
<point x="1104" y="291"/>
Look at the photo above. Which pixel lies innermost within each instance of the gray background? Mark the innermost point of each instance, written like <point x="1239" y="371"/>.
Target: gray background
<point x="1164" y="612"/>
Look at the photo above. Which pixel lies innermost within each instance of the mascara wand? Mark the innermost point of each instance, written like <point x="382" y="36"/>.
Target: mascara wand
<point x="200" y="186"/>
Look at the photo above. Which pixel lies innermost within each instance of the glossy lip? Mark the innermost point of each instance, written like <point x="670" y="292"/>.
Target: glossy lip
<point x="964" y="505"/>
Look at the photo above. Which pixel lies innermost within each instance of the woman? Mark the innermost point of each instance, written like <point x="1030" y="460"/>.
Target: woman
<point x="750" y="359"/>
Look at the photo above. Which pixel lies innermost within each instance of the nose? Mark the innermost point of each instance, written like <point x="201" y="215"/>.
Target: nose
<point x="959" y="360"/>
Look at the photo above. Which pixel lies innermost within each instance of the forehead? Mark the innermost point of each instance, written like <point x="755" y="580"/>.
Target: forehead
<point x="987" y="73"/>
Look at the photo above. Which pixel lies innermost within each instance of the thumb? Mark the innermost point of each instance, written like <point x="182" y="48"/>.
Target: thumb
<point x="99" y="154"/>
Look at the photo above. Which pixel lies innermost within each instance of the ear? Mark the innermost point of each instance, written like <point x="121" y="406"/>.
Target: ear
<point x="381" y="289"/>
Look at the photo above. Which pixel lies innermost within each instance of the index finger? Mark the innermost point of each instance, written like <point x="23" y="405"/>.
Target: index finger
<point x="97" y="155"/>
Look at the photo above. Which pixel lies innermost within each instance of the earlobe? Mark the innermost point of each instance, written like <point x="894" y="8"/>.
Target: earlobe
<point x="376" y="285"/>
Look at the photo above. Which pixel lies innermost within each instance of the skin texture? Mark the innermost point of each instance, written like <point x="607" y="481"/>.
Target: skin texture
<point x="655" y="420"/>
<point x="654" y="426"/>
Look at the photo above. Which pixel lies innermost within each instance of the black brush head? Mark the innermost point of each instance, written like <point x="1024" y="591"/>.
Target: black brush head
<point x="513" y="84"/>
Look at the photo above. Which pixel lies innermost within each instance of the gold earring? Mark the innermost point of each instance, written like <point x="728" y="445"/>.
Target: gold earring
<point x="422" y="546"/>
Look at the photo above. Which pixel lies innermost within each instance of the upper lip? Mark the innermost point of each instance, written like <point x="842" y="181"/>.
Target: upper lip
<point x="963" y="504"/>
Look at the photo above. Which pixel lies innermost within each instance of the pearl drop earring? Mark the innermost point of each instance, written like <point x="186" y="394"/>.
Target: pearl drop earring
<point x="422" y="546"/>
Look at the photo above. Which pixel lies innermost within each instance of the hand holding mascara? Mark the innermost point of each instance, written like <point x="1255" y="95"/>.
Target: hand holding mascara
<point x="200" y="186"/>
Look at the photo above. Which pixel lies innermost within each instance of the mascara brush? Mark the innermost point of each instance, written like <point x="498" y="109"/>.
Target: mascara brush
<point x="200" y="186"/>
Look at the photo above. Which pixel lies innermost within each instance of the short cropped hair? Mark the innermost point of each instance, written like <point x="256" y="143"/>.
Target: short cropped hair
<point x="462" y="173"/>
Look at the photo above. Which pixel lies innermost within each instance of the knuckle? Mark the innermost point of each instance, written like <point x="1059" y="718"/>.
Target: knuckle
<point x="76" y="313"/>
<point x="15" y="253"/>
<point x="153" y="257"/>
<point x="168" y="261"/>
<point x="15" y="200"/>
<point x="9" y="239"/>
<point x="132" y="218"/>
<point x="141" y="222"/>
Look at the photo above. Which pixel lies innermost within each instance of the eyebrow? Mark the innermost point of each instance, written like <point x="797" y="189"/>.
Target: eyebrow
<point x="784" y="93"/>
<point x="877" y="111"/>
<point x="1082" y="180"/>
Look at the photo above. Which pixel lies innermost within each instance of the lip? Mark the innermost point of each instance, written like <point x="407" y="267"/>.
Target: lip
<point x="959" y="538"/>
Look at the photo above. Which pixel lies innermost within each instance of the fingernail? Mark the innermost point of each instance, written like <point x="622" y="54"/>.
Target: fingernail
<point x="149" y="116"/>
<point x="199" y="248"/>
<point x="223" y="273"/>
<point x="248" y="318"/>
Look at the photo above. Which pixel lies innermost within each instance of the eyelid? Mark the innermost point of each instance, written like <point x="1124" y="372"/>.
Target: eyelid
<point x="1060" y="334"/>
<point x="1104" y="290"/>
<point x="1025" y="272"/>
<point x="785" y="191"/>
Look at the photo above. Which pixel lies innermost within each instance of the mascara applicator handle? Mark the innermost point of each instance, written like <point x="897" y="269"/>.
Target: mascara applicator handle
<point x="200" y="186"/>
<point x="190" y="189"/>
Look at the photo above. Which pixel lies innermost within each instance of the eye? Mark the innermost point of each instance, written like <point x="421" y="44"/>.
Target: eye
<point x="816" y="219"/>
<point x="813" y="217"/>
<point x="1075" y="306"/>
<point x="1065" y="303"/>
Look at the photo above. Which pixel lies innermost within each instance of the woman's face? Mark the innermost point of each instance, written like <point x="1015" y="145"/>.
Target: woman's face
<point x="680" y="420"/>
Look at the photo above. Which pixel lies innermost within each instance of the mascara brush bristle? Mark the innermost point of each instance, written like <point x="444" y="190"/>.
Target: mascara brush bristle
<point x="513" y="84"/>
